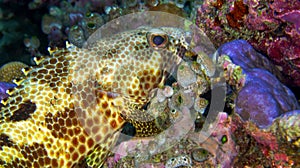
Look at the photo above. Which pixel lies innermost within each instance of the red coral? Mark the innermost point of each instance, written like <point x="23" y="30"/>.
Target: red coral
<point x="281" y="157"/>
<point x="286" y="53"/>
<point x="267" y="139"/>
<point x="292" y="17"/>
<point x="257" y="147"/>
<point x="218" y="4"/>
<point x="284" y="6"/>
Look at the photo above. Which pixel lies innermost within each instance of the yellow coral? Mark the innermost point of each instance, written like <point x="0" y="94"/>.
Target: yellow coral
<point x="12" y="70"/>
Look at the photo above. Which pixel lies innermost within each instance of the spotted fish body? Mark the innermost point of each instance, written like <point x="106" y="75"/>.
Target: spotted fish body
<point x="69" y="109"/>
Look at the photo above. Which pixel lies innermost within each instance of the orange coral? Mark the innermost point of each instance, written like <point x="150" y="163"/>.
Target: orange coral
<point x="217" y="22"/>
<point x="218" y="4"/>
<point x="235" y="17"/>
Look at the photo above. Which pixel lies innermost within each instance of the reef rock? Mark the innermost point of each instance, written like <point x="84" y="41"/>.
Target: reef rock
<point x="287" y="127"/>
<point x="262" y="97"/>
<point x="243" y="54"/>
<point x="272" y="27"/>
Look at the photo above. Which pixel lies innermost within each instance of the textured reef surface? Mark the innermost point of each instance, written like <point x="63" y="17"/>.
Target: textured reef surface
<point x="262" y="97"/>
<point x="271" y="27"/>
<point x="223" y="94"/>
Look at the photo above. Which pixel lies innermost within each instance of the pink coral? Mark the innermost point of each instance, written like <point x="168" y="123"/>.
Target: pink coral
<point x="272" y="27"/>
<point x="292" y="17"/>
<point x="257" y="146"/>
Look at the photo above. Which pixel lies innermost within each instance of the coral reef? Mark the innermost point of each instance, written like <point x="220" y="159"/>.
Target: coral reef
<point x="244" y="55"/>
<point x="233" y="73"/>
<point x="193" y="150"/>
<point x="88" y="24"/>
<point x="264" y="123"/>
<point x="77" y="20"/>
<point x="270" y="26"/>
<point x="53" y="22"/>
<point x="200" y="154"/>
<point x="32" y="44"/>
<point x="53" y="28"/>
<point x="170" y="8"/>
<point x="185" y="75"/>
<point x="261" y="97"/>
<point x="220" y="143"/>
<point x="261" y="125"/>
<point x="259" y="148"/>
<point x="12" y="70"/>
<point x="232" y="143"/>
<point x="287" y="128"/>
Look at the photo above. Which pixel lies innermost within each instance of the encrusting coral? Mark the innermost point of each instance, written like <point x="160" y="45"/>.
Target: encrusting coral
<point x="11" y="71"/>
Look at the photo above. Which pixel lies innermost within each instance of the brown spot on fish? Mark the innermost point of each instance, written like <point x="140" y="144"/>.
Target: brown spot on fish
<point x="24" y="111"/>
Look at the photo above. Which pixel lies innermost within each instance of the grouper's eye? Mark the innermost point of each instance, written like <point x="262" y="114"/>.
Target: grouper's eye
<point x="158" y="40"/>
